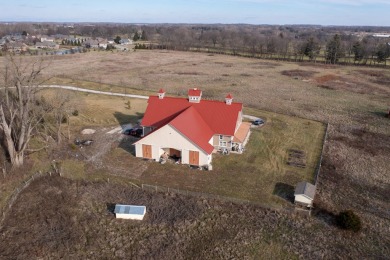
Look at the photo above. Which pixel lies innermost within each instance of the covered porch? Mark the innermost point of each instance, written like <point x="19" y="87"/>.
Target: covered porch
<point x="241" y="137"/>
<point x="171" y="154"/>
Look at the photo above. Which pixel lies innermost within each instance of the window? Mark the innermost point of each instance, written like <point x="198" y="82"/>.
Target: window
<point x="222" y="143"/>
<point x="220" y="137"/>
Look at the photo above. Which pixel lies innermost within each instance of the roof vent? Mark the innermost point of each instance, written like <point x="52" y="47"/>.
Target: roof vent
<point x="161" y="93"/>
<point x="194" y="95"/>
<point x="229" y="99"/>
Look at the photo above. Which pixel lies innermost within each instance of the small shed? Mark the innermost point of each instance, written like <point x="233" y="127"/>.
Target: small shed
<point x="304" y="193"/>
<point x="129" y="211"/>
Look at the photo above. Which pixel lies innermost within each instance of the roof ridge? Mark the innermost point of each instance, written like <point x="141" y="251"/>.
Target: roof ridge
<point x="203" y="100"/>
<point x="182" y="128"/>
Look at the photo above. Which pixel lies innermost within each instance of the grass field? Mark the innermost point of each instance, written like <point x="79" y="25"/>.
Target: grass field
<point x="354" y="173"/>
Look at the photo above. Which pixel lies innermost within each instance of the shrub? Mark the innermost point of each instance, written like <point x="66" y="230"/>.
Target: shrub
<point x="73" y="146"/>
<point x="64" y="120"/>
<point x="128" y="104"/>
<point x="349" y="220"/>
<point x="75" y="113"/>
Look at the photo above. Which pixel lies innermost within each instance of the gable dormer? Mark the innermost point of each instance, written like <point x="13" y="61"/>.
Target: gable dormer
<point x="229" y="99"/>
<point x="161" y="93"/>
<point x="194" y="95"/>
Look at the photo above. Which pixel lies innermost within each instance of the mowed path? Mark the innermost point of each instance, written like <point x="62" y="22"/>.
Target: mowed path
<point x="112" y="94"/>
<point x="94" y="91"/>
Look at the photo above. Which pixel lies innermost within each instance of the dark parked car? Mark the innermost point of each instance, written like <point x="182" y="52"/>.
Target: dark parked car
<point x="258" y="122"/>
<point x="137" y="132"/>
<point x="83" y="142"/>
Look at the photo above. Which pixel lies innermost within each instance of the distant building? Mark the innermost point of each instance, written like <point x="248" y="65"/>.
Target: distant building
<point x="382" y="35"/>
<point x="47" y="45"/>
<point x="126" y="41"/>
<point x="45" y="38"/>
<point x="16" y="47"/>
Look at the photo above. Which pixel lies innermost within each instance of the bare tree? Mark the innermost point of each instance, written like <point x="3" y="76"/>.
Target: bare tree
<point x="20" y="109"/>
<point x="62" y="104"/>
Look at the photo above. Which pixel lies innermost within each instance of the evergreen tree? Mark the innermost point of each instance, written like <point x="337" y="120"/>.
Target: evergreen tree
<point x="383" y="52"/>
<point x="358" y="51"/>
<point x="311" y="48"/>
<point x="143" y="36"/>
<point x="136" y="37"/>
<point x="117" y="39"/>
<point x="334" y="50"/>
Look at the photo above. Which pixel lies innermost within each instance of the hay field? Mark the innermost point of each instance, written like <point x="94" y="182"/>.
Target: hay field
<point x="354" y="100"/>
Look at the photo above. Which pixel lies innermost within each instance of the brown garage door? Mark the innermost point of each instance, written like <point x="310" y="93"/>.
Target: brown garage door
<point x="194" y="157"/>
<point x="147" y="151"/>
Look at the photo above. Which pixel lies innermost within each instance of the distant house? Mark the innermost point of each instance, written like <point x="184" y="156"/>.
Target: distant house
<point x="16" y="47"/>
<point x="130" y="211"/>
<point x="46" y="45"/>
<point x="45" y="38"/>
<point x="304" y="194"/>
<point x="3" y="42"/>
<point x="125" y="41"/>
<point x="103" y="44"/>
<point x="91" y="43"/>
<point x="97" y="43"/>
<point x="191" y="129"/>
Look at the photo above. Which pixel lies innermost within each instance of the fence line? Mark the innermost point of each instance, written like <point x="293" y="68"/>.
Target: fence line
<point x="318" y="168"/>
<point x="11" y="200"/>
<point x="156" y="188"/>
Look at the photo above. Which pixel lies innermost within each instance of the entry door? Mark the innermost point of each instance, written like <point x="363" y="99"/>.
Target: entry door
<point x="147" y="151"/>
<point x="194" y="157"/>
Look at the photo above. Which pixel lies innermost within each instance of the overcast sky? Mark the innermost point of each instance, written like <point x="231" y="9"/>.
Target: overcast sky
<point x="324" y="12"/>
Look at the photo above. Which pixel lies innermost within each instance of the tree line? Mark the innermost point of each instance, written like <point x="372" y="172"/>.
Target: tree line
<point x="329" y="44"/>
<point x="306" y="45"/>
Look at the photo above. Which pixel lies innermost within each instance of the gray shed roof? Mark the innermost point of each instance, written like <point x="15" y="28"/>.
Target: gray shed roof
<point x="130" y="209"/>
<point x="305" y="188"/>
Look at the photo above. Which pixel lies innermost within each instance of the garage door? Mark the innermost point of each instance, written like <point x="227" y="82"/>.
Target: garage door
<point x="147" y="151"/>
<point x="194" y="157"/>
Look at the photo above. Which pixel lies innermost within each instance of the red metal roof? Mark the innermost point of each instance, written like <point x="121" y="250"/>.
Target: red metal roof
<point x="161" y="91"/>
<point x="229" y="96"/>
<point x="191" y="124"/>
<point x="195" y="92"/>
<point x="219" y="117"/>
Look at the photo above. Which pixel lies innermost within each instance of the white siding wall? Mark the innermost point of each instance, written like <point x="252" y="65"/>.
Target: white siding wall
<point x="138" y="150"/>
<point x="167" y="137"/>
<point x="239" y="120"/>
<point x="303" y="199"/>
<point x="129" y="216"/>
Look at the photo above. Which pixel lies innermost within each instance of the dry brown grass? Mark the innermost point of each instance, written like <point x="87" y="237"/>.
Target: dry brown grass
<point x="60" y="218"/>
<point x="355" y="169"/>
<point x="299" y="74"/>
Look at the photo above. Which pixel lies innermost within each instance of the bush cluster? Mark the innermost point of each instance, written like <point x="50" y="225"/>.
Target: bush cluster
<point x="349" y="220"/>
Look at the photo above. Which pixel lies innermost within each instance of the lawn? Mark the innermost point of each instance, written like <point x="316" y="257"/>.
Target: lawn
<point x="261" y="173"/>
